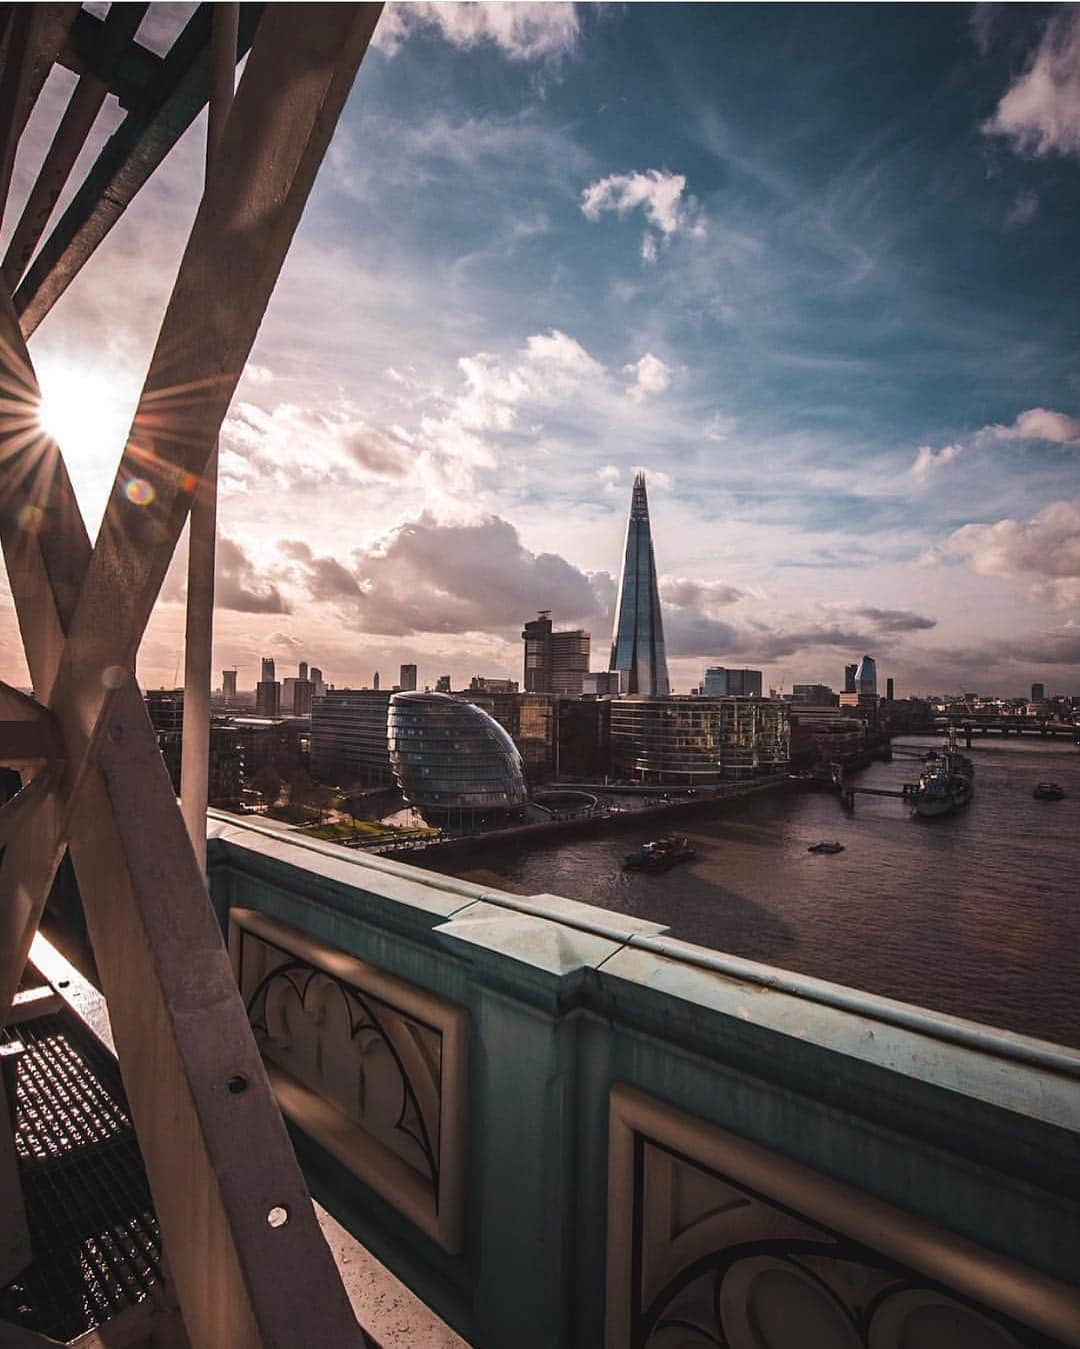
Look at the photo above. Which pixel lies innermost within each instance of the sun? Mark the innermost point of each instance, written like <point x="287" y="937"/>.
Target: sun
<point x="87" y="410"/>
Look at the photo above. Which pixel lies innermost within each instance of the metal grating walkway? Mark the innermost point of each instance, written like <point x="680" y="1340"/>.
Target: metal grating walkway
<point x="92" y="1225"/>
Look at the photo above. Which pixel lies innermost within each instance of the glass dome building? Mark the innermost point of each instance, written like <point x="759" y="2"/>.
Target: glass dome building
<point x="451" y="759"/>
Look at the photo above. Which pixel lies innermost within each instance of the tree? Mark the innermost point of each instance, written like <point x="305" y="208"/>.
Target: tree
<point x="267" y="782"/>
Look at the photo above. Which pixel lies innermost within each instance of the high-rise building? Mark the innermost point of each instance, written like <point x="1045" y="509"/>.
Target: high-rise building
<point x="407" y="678"/>
<point x="442" y="684"/>
<point x="296" y="695"/>
<point x="849" y="678"/>
<point x="268" y="696"/>
<point x="602" y="681"/>
<point x="375" y="682"/>
<point x="866" y="676"/>
<point x="348" y="737"/>
<point x="722" y="683"/>
<point x="889" y="688"/>
<point x="637" y="644"/>
<point x="303" y="670"/>
<point x="228" y="685"/>
<point x="268" y="674"/>
<point x="318" y="687"/>
<point x="1038" y="693"/>
<point x="555" y="662"/>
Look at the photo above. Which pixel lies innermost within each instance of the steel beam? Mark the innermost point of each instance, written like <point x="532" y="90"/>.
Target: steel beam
<point x="126" y="162"/>
<point x="202" y="529"/>
<point x="236" y="1218"/>
<point x="115" y="35"/>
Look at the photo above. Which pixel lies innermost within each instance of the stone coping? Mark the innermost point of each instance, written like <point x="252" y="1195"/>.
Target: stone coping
<point x="550" y="938"/>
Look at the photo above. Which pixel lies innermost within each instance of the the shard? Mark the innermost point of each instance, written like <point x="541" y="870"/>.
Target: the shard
<point x="637" y="643"/>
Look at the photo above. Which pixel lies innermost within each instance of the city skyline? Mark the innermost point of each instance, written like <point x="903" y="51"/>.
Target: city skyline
<point x="855" y="399"/>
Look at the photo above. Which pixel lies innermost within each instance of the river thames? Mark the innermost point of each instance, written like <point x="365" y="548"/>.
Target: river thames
<point x="977" y="914"/>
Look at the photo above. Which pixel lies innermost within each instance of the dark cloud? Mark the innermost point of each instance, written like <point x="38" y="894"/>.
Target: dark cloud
<point x="430" y="577"/>
<point x="239" y="585"/>
<point x="896" y="620"/>
<point x="697" y="594"/>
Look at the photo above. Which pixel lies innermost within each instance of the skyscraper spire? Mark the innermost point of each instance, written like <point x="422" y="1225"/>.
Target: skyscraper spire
<point x="637" y="643"/>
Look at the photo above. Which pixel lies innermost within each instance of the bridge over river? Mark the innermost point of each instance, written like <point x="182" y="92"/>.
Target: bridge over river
<point x="974" y="723"/>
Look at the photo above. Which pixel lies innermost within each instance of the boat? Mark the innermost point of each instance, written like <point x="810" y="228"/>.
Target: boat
<point x="945" y="785"/>
<point x="1048" y="791"/>
<point x="826" y="847"/>
<point x="660" y="854"/>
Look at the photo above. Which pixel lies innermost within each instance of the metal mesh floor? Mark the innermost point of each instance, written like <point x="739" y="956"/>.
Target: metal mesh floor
<point x="92" y="1225"/>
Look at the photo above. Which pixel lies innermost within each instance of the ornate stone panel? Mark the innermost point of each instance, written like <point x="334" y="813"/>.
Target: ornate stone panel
<point x="372" y="1067"/>
<point x="716" y="1243"/>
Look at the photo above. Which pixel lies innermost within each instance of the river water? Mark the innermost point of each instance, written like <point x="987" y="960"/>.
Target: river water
<point x="977" y="914"/>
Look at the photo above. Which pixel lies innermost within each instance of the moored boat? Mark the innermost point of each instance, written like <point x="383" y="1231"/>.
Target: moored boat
<point x="825" y="847"/>
<point x="945" y="785"/>
<point x="1048" y="791"/>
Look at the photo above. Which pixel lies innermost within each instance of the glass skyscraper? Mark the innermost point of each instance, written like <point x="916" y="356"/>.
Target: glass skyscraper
<point x="637" y="644"/>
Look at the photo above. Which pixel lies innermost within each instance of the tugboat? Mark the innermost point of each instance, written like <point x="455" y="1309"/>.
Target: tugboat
<point x="660" y="855"/>
<point x="1048" y="791"/>
<point x="946" y="784"/>
<point x="826" y="847"/>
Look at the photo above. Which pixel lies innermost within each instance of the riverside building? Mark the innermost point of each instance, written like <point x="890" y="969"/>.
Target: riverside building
<point x="689" y="741"/>
<point x="348" y="737"/>
<point x="452" y="760"/>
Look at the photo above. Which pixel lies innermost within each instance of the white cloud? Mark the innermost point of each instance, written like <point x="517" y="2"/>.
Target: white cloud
<point x="523" y="31"/>
<point x="1040" y="111"/>
<point x="1038" y="424"/>
<point x="927" y="460"/>
<point x="1044" y="550"/>
<point x="651" y="376"/>
<point x="658" y="194"/>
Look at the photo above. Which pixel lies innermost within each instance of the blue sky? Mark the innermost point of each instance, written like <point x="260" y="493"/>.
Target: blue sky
<point x="814" y="268"/>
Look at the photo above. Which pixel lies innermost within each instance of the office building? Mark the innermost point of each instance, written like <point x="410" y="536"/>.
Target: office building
<point x="890" y="689"/>
<point x="318" y="687"/>
<point x="348" y="737"/>
<point x="442" y="684"/>
<point x="637" y="644"/>
<point x="582" y="728"/>
<point x="722" y="683"/>
<point x="866" y="677"/>
<point x="268" y="696"/>
<point x="268" y="672"/>
<point x="228" y="685"/>
<point x="685" y="741"/>
<point x="555" y="662"/>
<point x="818" y="695"/>
<point x="296" y="695"/>
<point x="407" y="678"/>
<point x="599" y="682"/>
<point x="849" y="678"/>
<point x="452" y="759"/>
<point x="482" y="684"/>
<point x="303" y="669"/>
<point x="1038" y="693"/>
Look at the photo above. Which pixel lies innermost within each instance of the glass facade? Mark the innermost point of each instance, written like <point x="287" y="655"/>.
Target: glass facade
<point x="451" y="758"/>
<point x="687" y="741"/>
<point x="637" y="644"/>
<point x="866" y="676"/>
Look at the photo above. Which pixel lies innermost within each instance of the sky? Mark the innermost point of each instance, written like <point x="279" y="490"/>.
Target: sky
<point x="813" y="268"/>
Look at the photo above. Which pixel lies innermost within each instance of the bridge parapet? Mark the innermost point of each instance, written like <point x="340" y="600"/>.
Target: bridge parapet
<point x="562" y="1126"/>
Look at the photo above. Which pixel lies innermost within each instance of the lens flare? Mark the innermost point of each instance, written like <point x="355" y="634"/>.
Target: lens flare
<point x="139" y="492"/>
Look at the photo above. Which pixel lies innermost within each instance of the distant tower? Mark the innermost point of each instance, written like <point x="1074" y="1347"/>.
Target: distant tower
<point x="375" y="682"/>
<point x="1038" y="693"/>
<point x="637" y="643"/>
<point x="303" y="669"/>
<point x="228" y="685"/>
<point x="849" y="678"/>
<point x="268" y="669"/>
<point x="866" y="676"/>
<point x="407" y="678"/>
<point x="889" y="688"/>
